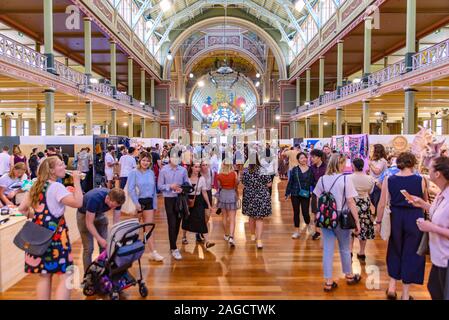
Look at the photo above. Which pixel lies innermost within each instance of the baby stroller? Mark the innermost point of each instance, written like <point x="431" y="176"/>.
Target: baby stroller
<point x="108" y="274"/>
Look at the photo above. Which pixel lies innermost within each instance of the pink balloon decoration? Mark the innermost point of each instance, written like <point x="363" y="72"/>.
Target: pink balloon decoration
<point x="207" y="109"/>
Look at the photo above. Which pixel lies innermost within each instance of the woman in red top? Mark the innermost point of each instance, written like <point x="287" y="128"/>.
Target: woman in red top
<point x="227" y="199"/>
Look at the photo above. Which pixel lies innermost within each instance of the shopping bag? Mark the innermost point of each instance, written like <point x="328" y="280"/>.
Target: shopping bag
<point x="128" y="207"/>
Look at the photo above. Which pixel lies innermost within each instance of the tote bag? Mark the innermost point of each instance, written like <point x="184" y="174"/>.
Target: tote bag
<point x="385" y="227"/>
<point x="128" y="207"/>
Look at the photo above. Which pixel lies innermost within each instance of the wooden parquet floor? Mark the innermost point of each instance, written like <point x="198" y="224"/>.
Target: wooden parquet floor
<point x="284" y="269"/>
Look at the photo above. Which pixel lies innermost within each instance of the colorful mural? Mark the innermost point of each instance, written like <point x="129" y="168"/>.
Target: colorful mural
<point x="225" y="110"/>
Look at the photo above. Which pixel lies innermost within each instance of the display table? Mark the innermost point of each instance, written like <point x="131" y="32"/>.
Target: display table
<point x="12" y="259"/>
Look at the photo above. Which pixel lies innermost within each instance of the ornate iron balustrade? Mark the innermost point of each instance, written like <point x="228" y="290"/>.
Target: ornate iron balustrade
<point x="20" y="53"/>
<point x="102" y="88"/>
<point x="315" y="103"/>
<point x="351" y="89"/>
<point x="388" y="73"/>
<point x="123" y="97"/>
<point x="329" y="97"/>
<point x="431" y="55"/>
<point x="70" y="74"/>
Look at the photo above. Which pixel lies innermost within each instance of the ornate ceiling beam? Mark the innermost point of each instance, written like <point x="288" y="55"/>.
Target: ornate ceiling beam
<point x="312" y="12"/>
<point x="143" y="7"/>
<point x="153" y="27"/>
<point x="164" y="37"/>
<point x="285" y="37"/>
<point x="293" y="20"/>
<point x="246" y="3"/>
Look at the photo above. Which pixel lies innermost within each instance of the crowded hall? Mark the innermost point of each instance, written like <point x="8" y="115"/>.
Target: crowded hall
<point x="224" y="150"/>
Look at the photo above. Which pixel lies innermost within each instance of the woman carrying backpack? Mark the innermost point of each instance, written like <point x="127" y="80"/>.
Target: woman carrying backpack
<point x="336" y="192"/>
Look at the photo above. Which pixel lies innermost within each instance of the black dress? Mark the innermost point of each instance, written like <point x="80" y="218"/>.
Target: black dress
<point x="196" y="221"/>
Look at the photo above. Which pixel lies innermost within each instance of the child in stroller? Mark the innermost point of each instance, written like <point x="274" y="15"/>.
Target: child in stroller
<point x="108" y="274"/>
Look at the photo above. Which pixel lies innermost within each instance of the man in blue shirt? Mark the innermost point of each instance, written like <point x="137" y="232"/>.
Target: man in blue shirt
<point x="170" y="179"/>
<point x="92" y="218"/>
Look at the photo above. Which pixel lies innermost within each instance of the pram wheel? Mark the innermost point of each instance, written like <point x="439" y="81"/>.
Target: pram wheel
<point x="88" y="290"/>
<point x="115" y="296"/>
<point x="143" y="290"/>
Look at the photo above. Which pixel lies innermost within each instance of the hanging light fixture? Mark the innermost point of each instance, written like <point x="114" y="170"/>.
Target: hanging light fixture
<point x="169" y="56"/>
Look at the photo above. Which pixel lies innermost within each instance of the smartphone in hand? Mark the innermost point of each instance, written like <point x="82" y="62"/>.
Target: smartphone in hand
<point x="407" y="195"/>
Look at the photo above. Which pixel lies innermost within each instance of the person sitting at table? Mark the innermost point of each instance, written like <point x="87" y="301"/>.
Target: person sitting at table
<point x="10" y="184"/>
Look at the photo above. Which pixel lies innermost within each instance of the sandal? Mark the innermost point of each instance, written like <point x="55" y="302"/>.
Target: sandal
<point x="410" y="298"/>
<point x="354" y="279"/>
<point x="184" y="240"/>
<point x="391" y="295"/>
<point x="330" y="287"/>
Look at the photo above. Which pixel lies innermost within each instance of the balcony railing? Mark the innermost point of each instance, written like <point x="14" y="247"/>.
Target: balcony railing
<point x="351" y="89"/>
<point x="123" y="97"/>
<point x="70" y="74"/>
<point x="391" y="72"/>
<point x="102" y="88"/>
<point x="21" y="54"/>
<point x="329" y="97"/>
<point x="431" y="55"/>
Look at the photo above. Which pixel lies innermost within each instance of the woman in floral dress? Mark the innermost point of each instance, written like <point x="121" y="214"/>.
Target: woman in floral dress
<point x="364" y="185"/>
<point x="256" y="202"/>
<point x="48" y="198"/>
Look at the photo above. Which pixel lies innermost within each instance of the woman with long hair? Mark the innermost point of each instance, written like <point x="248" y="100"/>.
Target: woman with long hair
<point x="228" y="181"/>
<point x="17" y="157"/>
<point x="377" y="165"/>
<point x="343" y="190"/>
<point x="403" y="263"/>
<point x="142" y="189"/>
<point x="10" y="184"/>
<point x="196" y="221"/>
<point x="48" y="199"/>
<point x="256" y="203"/>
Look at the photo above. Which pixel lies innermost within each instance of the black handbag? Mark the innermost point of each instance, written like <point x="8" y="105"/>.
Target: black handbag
<point x="347" y="221"/>
<point x="35" y="239"/>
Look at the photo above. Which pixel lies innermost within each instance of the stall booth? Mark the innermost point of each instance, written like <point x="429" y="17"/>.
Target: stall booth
<point x="12" y="258"/>
<point x="101" y="143"/>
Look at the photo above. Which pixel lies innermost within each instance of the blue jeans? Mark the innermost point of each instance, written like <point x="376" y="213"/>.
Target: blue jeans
<point x="343" y="237"/>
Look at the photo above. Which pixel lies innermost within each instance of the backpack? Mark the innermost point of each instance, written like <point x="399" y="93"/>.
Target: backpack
<point x="327" y="215"/>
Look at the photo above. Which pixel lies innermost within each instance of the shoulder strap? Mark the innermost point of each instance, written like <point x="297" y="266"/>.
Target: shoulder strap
<point x="344" y="194"/>
<point x="297" y="177"/>
<point x="335" y="181"/>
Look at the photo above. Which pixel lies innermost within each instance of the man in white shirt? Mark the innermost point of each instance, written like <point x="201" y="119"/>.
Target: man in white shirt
<point x="5" y="161"/>
<point x="127" y="164"/>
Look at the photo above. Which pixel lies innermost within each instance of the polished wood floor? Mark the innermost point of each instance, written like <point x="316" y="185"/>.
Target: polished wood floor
<point x="284" y="269"/>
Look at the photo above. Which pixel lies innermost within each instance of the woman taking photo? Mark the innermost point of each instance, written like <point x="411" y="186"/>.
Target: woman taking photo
<point x="438" y="228"/>
<point x="228" y="182"/>
<point x="49" y="198"/>
<point x="11" y="183"/>
<point x="298" y="188"/>
<point x="143" y="192"/>
<point x="403" y="263"/>
<point x="364" y="185"/>
<point x="256" y="202"/>
<point x="196" y="221"/>
<point x="343" y="190"/>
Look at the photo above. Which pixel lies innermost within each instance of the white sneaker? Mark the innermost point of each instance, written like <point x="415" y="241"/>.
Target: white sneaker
<point x="231" y="242"/>
<point x="253" y="237"/>
<point x="176" y="254"/>
<point x="156" y="256"/>
<point x="295" y="235"/>
<point x="226" y="237"/>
